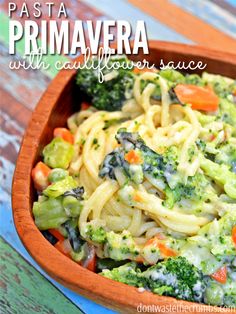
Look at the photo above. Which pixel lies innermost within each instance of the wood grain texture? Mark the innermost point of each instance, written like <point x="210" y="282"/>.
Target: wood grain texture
<point x="25" y="290"/>
<point x="225" y="5"/>
<point x="25" y="86"/>
<point x="14" y="108"/>
<point x="58" y="102"/>
<point x="186" y="24"/>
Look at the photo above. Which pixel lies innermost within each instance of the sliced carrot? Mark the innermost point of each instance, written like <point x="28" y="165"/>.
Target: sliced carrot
<point x="92" y="264"/>
<point x="212" y="137"/>
<point x="140" y="259"/>
<point x="153" y="241"/>
<point x="133" y="157"/>
<point x="220" y="275"/>
<point x="85" y="105"/>
<point x="200" y="98"/>
<point x="234" y="235"/>
<point x="40" y="175"/>
<point x="164" y="249"/>
<point x="64" y="133"/>
<point x="137" y="198"/>
<point x="56" y="234"/>
<point x="64" y="247"/>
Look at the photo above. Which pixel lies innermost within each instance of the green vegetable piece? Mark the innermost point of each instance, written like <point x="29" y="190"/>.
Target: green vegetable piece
<point x="172" y="75"/>
<point x="221" y="174"/>
<point x="128" y="273"/>
<point x="49" y="213"/>
<point x="214" y="294"/>
<point x="176" y="277"/>
<point x="60" y="187"/>
<point x="120" y="246"/>
<point x="95" y="234"/>
<point x="57" y="174"/>
<point x="227" y="111"/>
<point x="227" y="155"/>
<point x="223" y="86"/>
<point x="108" y="263"/>
<point x="230" y="293"/>
<point x="194" y="79"/>
<point x="115" y="89"/>
<point x="58" y="153"/>
<point x="72" y="206"/>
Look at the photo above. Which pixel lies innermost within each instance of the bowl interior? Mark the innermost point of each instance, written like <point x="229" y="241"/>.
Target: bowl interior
<point x="61" y="99"/>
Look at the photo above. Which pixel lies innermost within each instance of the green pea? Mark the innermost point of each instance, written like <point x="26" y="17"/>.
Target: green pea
<point x="214" y="294"/>
<point x="72" y="206"/>
<point x="57" y="174"/>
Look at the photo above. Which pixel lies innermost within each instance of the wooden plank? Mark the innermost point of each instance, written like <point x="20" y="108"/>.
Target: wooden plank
<point x="211" y="13"/>
<point x="10" y="137"/>
<point x="226" y="5"/>
<point x="25" y="86"/>
<point x="232" y="2"/>
<point x="14" y="108"/>
<point x="24" y="290"/>
<point x="123" y="10"/>
<point x="187" y="24"/>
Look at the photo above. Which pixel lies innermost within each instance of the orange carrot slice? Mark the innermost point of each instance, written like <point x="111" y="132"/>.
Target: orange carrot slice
<point x="133" y="157"/>
<point x="234" y="235"/>
<point x="220" y="275"/>
<point x="64" y="133"/>
<point x="200" y="98"/>
<point x="40" y="175"/>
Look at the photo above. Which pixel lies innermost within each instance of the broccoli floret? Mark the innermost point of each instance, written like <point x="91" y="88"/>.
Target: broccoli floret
<point x="193" y="189"/>
<point x="217" y="235"/>
<point x="227" y="155"/>
<point x="110" y="94"/>
<point x="177" y="77"/>
<point x="173" y="277"/>
<point x="154" y="166"/>
<point x="223" y="86"/>
<point x="176" y="277"/>
<point x="213" y="246"/>
<point x="128" y="273"/>
<point x="221" y="174"/>
<point x="94" y="233"/>
<point x="194" y="79"/>
<point x="227" y="112"/>
<point x="172" y="75"/>
<point x="120" y="246"/>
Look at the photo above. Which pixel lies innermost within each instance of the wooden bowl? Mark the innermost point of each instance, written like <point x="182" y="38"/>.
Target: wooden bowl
<point x="59" y="101"/>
